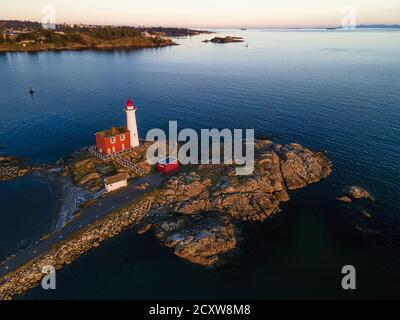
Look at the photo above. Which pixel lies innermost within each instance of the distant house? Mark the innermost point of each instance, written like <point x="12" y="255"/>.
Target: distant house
<point x="168" y="165"/>
<point x="148" y="35"/>
<point x="116" y="182"/>
<point x="25" y="42"/>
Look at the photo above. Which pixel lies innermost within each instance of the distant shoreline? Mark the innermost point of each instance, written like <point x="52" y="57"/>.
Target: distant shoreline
<point x="394" y="27"/>
<point x="86" y="47"/>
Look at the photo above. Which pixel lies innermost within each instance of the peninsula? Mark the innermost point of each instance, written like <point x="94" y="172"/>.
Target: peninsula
<point x="197" y="212"/>
<point x="31" y="36"/>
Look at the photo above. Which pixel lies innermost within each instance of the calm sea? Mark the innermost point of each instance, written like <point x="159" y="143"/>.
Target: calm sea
<point x="337" y="91"/>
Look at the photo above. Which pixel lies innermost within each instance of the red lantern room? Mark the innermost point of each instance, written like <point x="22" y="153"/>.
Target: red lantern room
<point x="130" y="105"/>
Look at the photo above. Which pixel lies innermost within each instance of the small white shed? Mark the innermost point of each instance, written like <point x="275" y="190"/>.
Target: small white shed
<point x="116" y="182"/>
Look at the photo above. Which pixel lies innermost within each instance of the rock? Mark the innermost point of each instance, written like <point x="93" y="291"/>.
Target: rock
<point x="357" y="192"/>
<point x="199" y="241"/>
<point x="300" y="166"/>
<point x="12" y="167"/>
<point x="366" y="214"/>
<point x="145" y="228"/>
<point x="60" y="162"/>
<point x="105" y="168"/>
<point x="9" y="161"/>
<point x="85" y="165"/>
<point x="344" y="199"/>
<point x="227" y="39"/>
<point x="88" y="177"/>
<point x="143" y="186"/>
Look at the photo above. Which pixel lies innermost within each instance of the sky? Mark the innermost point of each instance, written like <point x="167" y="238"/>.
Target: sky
<point x="206" y="13"/>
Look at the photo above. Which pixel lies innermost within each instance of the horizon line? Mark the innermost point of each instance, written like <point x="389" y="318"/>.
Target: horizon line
<point x="214" y="27"/>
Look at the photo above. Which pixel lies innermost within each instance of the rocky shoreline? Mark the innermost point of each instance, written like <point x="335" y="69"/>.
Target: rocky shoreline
<point x="105" y="47"/>
<point x="196" y="213"/>
<point x="12" y="167"/>
<point x="120" y="44"/>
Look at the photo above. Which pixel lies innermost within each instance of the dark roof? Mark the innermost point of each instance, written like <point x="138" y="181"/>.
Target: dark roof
<point x="117" y="178"/>
<point x="113" y="132"/>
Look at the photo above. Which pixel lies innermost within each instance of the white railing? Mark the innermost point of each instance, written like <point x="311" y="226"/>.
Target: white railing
<point x="128" y="164"/>
<point x="117" y="157"/>
<point x="94" y="152"/>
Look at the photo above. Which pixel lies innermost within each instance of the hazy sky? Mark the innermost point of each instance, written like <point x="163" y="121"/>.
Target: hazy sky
<point x="206" y="13"/>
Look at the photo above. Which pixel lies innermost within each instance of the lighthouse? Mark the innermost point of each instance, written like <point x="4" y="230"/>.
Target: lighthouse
<point x="119" y="139"/>
<point x="131" y="123"/>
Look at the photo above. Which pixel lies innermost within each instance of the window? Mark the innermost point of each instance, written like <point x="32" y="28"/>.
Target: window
<point x="112" y="140"/>
<point x="122" y="137"/>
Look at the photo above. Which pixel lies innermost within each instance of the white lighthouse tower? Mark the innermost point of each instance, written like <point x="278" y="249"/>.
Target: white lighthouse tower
<point x="131" y="123"/>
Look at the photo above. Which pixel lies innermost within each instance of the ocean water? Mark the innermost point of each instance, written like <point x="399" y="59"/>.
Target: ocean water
<point x="27" y="207"/>
<point x="336" y="91"/>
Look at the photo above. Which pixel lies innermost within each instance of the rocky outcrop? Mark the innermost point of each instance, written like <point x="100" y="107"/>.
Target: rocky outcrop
<point x="357" y="192"/>
<point x="301" y="166"/>
<point x="216" y="188"/>
<point x="9" y="161"/>
<point x="200" y="240"/>
<point x="227" y="39"/>
<point x="12" y="167"/>
<point x="344" y="199"/>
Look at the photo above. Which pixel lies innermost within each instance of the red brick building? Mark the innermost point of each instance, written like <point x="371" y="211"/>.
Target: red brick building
<point x="113" y="141"/>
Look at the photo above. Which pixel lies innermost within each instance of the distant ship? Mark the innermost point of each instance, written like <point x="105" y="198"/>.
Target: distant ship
<point x="330" y="28"/>
<point x="243" y="29"/>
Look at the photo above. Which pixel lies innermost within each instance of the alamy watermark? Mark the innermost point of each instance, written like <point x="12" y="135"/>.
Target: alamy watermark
<point x="349" y="280"/>
<point x="349" y="20"/>
<point x="237" y="149"/>
<point x="49" y="280"/>
<point x="49" y="17"/>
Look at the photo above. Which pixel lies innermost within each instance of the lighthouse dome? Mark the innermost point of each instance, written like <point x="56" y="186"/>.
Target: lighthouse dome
<point x="129" y="103"/>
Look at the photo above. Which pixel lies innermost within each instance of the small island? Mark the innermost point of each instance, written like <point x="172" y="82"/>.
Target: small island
<point x="227" y="39"/>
